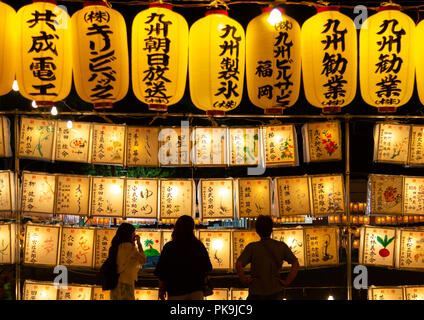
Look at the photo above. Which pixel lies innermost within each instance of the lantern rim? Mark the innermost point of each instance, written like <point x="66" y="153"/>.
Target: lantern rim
<point x="331" y="109"/>
<point x="389" y="7"/>
<point x="215" y="113"/>
<point x="158" y="107"/>
<point x="95" y="3"/>
<point x="44" y="103"/>
<point x="215" y="11"/>
<point x="160" y="5"/>
<point x="328" y="8"/>
<point x="269" y="9"/>
<point x="48" y="1"/>
<point x="103" y="105"/>
<point x="274" y="110"/>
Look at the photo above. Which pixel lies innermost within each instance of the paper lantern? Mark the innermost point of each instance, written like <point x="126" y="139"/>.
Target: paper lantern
<point x="103" y="241"/>
<point x="159" y="56"/>
<point x="322" y="246"/>
<point x="293" y="196"/>
<point x="377" y="246"/>
<point x="37" y="137"/>
<point x="219" y="294"/>
<point x="240" y="240"/>
<point x="175" y="146"/>
<point x="328" y="195"/>
<point x="44" y="52"/>
<point x="239" y="294"/>
<point x="411" y="251"/>
<point x="142" y="146"/>
<point x="416" y="151"/>
<point x="7" y="243"/>
<point x="166" y="237"/>
<point x="8" y="47"/>
<point x="77" y="247"/>
<point x="38" y="191"/>
<point x="176" y="198"/>
<point x="73" y="195"/>
<point x="73" y="141"/>
<point x="280" y="145"/>
<point x="391" y="143"/>
<point x="146" y="294"/>
<point x="254" y="197"/>
<point x="141" y="198"/>
<point x="108" y="144"/>
<point x="385" y="194"/>
<point x="385" y="293"/>
<point x="39" y="291"/>
<point x="294" y="240"/>
<point x="210" y="149"/>
<point x="5" y="149"/>
<point x="151" y="242"/>
<point x="218" y="243"/>
<point x="329" y="60"/>
<point x="75" y="292"/>
<point x="245" y="146"/>
<point x="216" y="62"/>
<point x="100" y="294"/>
<point x="387" y="62"/>
<point x="216" y="199"/>
<point x="41" y="245"/>
<point x="107" y="197"/>
<point x="7" y="191"/>
<point x="413" y="199"/>
<point x="414" y="293"/>
<point x="322" y="141"/>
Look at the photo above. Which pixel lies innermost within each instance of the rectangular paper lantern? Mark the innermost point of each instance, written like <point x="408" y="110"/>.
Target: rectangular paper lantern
<point x="108" y="144"/>
<point x="5" y="148"/>
<point x="280" y="143"/>
<point x="219" y="294"/>
<point x="77" y="247"/>
<point x="328" y="194"/>
<point x="39" y="291"/>
<point x="103" y="241"/>
<point x="146" y="294"/>
<point x="73" y="195"/>
<point x="293" y="196"/>
<point x="218" y="243"/>
<point x="100" y="294"/>
<point x="216" y="198"/>
<point x="166" y="237"/>
<point x="41" y="245"/>
<point x="151" y="242"/>
<point x="38" y="192"/>
<point x="413" y="200"/>
<point x="175" y="146"/>
<point x="377" y="246"/>
<point x="142" y="146"/>
<point x="141" y="198"/>
<point x="73" y="142"/>
<point x="385" y="194"/>
<point x="294" y="239"/>
<point x="7" y="243"/>
<point x="411" y="249"/>
<point x="107" y="197"/>
<point x="210" y="149"/>
<point x="37" y="138"/>
<point x="322" y="141"/>
<point x="391" y="143"/>
<point x="7" y="191"/>
<point x="75" y="292"/>
<point x="176" y="198"/>
<point x="239" y="294"/>
<point x="385" y="293"/>
<point x="322" y="246"/>
<point x="414" y="293"/>
<point x="240" y="240"/>
<point x="254" y="197"/>
<point x="416" y="150"/>
<point x="245" y="146"/>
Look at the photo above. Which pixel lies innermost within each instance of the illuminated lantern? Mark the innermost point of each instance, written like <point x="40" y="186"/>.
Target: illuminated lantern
<point x="7" y="191"/>
<point x="216" y="199"/>
<point x="73" y="195"/>
<point x="210" y="147"/>
<point x="322" y="141"/>
<point x="414" y="292"/>
<point x="329" y="59"/>
<point x="385" y="293"/>
<point x="293" y="196"/>
<point x="146" y="294"/>
<point x="39" y="291"/>
<point x="38" y="192"/>
<point x="273" y="60"/>
<point x="159" y="56"/>
<point x="254" y="197"/>
<point x="328" y="196"/>
<point x="142" y="146"/>
<point x="41" y="245"/>
<point x="100" y="294"/>
<point x="101" y="66"/>
<point x="44" y="71"/>
<point x="280" y="145"/>
<point x="7" y="243"/>
<point x="175" y="146"/>
<point x="73" y="141"/>
<point x="245" y="146"/>
<point x="411" y="251"/>
<point x="322" y="246"/>
<point x="386" y="64"/>
<point x="239" y="294"/>
<point x="166" y="237"/>
<point x="385" y="194"/>
<point x="219" y="294"/>
<point x="176" y="198"/>
<point x="77" y="247"/>
<point x="107" y="197"/>
<point x="218" y="243"/>
<point x="75" y="292"/>
<point x="141" y="198"/>
<point x="391" y="143"/>
<point x="8" y="47"/>
<point x="413" y="201"/>
<point x="108" y="145"/>
<point x="294" y="239"/>
<point x="103" y="241"/>
<point x="151" y="241"/>
<point x="216" y="62"/>
<point x="377" y="246"/>
<point x="240" y="240"/>
<point x="5" y="149"/>
<point x="417" y="147"/>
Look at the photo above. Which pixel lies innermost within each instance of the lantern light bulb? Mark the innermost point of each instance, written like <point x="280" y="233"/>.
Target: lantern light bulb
<point x="115" y="189"/>
<point x="217" y="244"/>
<point x="330" y="297"/>
<point x="69" y="124"/>
<point x="54" y="111"/>
<point x="34" y="104"/>
<point x="275" y="17"/>
<point x="174" y="192"/>
<point x="43" y="294"/>
<point x="15" y="86"/>
<point x="223" y="192"/>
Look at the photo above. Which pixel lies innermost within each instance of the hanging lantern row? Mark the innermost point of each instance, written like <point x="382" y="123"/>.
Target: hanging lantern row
<point x="49" y="46"/>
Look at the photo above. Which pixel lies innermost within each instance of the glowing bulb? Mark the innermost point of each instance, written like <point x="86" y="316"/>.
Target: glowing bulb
<point x="330" y="297"/>
<point x="34" y="104"/>
<point x="115" y="189"/>
<point x="174" y="192"/>
<point x="274" y="17"/>
<point x="217" y="244"/>
<point x="54" y="111"/>
<point x="277" y="138"/>
<point x="69" y="124"/>
<point x="43" y="294"/>
<point x="15" y="86"/>
<point x="223" y="192"/>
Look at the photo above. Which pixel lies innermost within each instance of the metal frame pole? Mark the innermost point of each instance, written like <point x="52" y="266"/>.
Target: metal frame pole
<point x="349" y="238"/>
<point x="17" y="212"/>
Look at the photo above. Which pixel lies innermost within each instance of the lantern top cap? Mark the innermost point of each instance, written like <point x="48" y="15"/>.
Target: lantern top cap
<point x="269" y="9"/>
<point x="48" y="1"/>
<point x="389" y="6"/>
<point x="216" y="11"/>
<point x="95" y="3"/>
<point x="328" y="8"/>
<point x="160" y="5"/>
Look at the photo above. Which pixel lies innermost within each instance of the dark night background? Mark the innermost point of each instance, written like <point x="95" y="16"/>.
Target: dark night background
<point x="361" y="152"/>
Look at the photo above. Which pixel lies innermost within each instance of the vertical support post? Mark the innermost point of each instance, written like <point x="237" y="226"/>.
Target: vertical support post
<point x="17" y="211"/>
<point x="349" y="237"/>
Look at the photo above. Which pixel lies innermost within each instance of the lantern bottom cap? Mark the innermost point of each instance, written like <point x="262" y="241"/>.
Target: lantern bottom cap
<point x="158" y="107"/>
<point x="386" y="109"/>
<point x="331" y="109"/>
<point x="215" y="112"/>
<point x="103" y="105"/>
<point x="273" y="111"/>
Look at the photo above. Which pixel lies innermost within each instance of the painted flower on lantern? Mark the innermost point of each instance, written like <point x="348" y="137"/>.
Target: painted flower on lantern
<point x="384" y="252"/>
<point x="329" y="145"/>
<point x="286" y="148"/>
<point x="391" y="195"/>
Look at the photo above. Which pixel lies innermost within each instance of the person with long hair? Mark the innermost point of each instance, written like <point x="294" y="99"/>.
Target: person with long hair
<point x="128" y="261"/>
<point x="183" y="264"/>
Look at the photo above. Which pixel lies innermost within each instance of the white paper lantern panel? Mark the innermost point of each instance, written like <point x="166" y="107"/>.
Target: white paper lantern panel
<point x="73" y="195"/>
<point x="146" y="294"/>
<point x="280" y="143"/>
<point x="322" y="246"/>
<point x="41" y="245"/>
<point x="103" y="241"/>
<point x="77" y="247"/>
<point x="151" y="242"/>
<point x="385" y="194"/>
<point x="216" y="199"/>
<point x="391" y="143"/>
<point x="39" y="291"/>
<point x="108" y="144"/>
<point x="175" y="146"/>
<point x="328" y="194"/>
<point x="141" y="198"/>
<point x="73" y="141"/>
<point x="322" y="141"/>
<point x="7" y="243"/>
<point x="385" y="293"/>
<point x="142" y="146"/>
<point x="210" y="149"/>
<point x="377" y="246"/>
<point x="239" y="294"/>
<point x="414" y="293"/>
<point x="5" y="148"/>
<point x="254" y="197"/>
<point x="100" y="294"/>
<point x="75" y="292"/>
<point x="240" y="240"/>
<point x="7" y="191"/>
<point x="107" y="197"/>
<point x="245" y="146"/>
<point x="219" y="294"/>
<point x="176" y="198"/>
<point x="293" y="196"/>
<point x="413" y="200"/>
<point x="218" y="243"/>
<point x="38" y="192"/>
<point x="411" y="249"/>
<point x="294" y="240"/>
<point x="166" y="237"/>
<point x="416" y="150"/>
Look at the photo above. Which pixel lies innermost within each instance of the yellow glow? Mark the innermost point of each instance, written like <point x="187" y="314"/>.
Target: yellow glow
<point x="217" y="244"/>
<point x="223" y="192"/>
<point x="34" y="237"/>
<point x="15" y="86"/>
<point x="174" y="191"/>
<point x="115" y="189"/>
<point x="43" y="294"/>
<point x="330" y="297"/>
<point x="221" y="27"/>
<point x="277" y="138"/>
<point x="274" y="17"/>
<point x="34" y="104"/>
<point x="69" y="124"/>
<point x="54" y="111"/>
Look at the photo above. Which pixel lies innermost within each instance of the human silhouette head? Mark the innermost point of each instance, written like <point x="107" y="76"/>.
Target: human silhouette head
<point x="263" y="226"/>
<point x="183" y="229"/>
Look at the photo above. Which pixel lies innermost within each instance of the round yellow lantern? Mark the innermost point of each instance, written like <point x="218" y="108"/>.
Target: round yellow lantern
<point x="273" y="60"/>
<point x="386" y="59"/>
<point x="216" y="62"/>
<point x="159" y="56"/>
<point x="101" y="66"/>
<point x="44" y="53"/>
<point x="8" y="42"/>
<point x="329" y="59"/>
